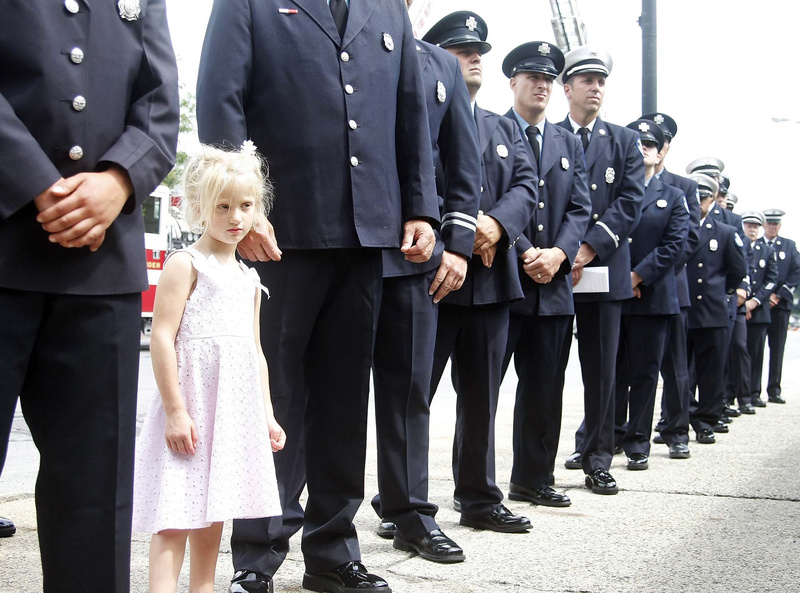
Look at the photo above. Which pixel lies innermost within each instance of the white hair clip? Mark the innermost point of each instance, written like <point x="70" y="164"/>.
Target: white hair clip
<point x="248" y="147"/>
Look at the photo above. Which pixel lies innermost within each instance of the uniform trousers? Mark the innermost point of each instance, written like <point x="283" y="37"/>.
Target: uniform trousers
<point x="756" y="340"/>
<point x="707" y="347"/>
<point x="73" y="362"/>
<point x="540" y="345"/>
<point x="474" y="339"/>
<point x="676" y="393"/>
<point x="642" y="342"/>
<point x="738" y="373"/>
<point x="598" y="340"/>
<point x="776" y="337"/>
<point x="317" y="332"/>
<point x="402" y="368"/>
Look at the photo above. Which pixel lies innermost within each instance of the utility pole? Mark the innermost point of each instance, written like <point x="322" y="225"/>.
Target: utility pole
<point x="649" y="63"/>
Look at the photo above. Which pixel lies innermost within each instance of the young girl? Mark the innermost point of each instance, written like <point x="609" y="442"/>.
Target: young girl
<point x="205" y="451"/>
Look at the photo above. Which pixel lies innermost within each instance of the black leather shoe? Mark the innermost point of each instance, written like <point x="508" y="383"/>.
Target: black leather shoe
<point x="617" y="449"/>
<point x="679" y="451"/>
<point x="638" y="461"/>
<point x="726" y="420"/>
<point x="7" y="527"/>
<point x="757" y="402"/>
<point x="601" y="482"/>
<point x="456" y="505"/>
<point x="706" y="437"/>
<point x="658" y="439"/>
<point x="434" y="546"/>
<point x="500" y="519"/>
<point x="247" y="581"/>
<point x="721" y="427"/>
<point x="732" y="412"/>
<point x="350" y="577"/>
<point x="386" y="529"/>
<point x="776" y="399"/>
<point x="747" y="409"/>
<point x="574" y="461"/>
<point x="542" y="496"/>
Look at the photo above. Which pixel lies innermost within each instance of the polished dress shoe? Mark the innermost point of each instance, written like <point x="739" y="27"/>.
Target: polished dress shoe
<point x="757" y="402"/>
<point x="350" y="577"/>
<point x="386" y="529"/>
<point x="456" y="505"/>
<point x="747" y="409"/>
<point x="434" y="546"/>
<point x="574" y="461"/>
<point x="247" y="581"/>
<point x="658" y="439"/>
<point x="732" y="412"/>
<point x="721" y="427"/>
<point x="706" y="437"/>
<point x="726" y="420"/>
<point x="679" y="451"/>
<point x="7" y="527"/>
<point x="500" y="519"/>
<point x="601" y="482"/>
<point x="638" y="461"/>
<point x="542" y="496"/>
<point x="617" y="449"/>
<point x="776" y="399"/>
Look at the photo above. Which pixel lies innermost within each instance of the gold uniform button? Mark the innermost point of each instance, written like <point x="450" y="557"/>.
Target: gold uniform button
<point x="352" y="123"/>
<point x="345" y="56"/>
<point x="700" y="265"/>
<point x="541" y="205"/>
<point x="72" y="6"/>
<point x="540" y="228"/>
<point x="630" y="239"/>
<point x="699" y="280"/>
<point x="541" y="183"/>
<point x="79" y="103"/>
<point x="348" y="88"/>
<point x="595" y="217"/>
<point x="354" y="161"/>
<point x="594" y="186"/>
<point x="699" y="297"/>
<point x="76" y="55"/>
<point x="76" y="153"/>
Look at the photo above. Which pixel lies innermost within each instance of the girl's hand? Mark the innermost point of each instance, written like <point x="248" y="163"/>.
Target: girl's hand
<point x="277" y="438"/>
<point x="180" y="433"/>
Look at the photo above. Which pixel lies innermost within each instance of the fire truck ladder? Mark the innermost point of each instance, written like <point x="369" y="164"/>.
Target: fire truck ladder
<point x="567" y="25"/>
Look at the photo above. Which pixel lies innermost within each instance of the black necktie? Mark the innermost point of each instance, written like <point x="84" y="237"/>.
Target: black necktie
<point x="584" y="134"/>
<point x="339" y="12"/>
<point x="532" y="132"/>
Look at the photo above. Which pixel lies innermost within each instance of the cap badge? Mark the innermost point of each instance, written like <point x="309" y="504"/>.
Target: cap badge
<point x="643" y="127"/>
<point x="659" y="119"/>
<point x="441" y="92"/>
<point x="762" y="263"/>
<point x="782" y="255"/>
<point x="471" y="23"/>
<point x="564" y="163"/>
<point x="129" y="9"/>
<point x="713" y="245"/>
<point x="661" y="203"/>
<point x="388" y="42"/>
<point x="610" y="175"/>
<point x="502" y="151"/>
<point x="544" y="49"/>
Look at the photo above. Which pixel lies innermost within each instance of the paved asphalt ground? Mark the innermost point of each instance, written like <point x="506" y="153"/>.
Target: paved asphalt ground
<point x="725" y="520"/>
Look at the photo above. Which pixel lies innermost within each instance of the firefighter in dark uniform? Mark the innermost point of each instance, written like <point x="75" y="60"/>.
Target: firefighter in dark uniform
<point x="473" y="322"/>
<point x="615" y="174"/>
<point x="657" y="244"/>
<point x="763" y="272"/>
<point x="715" y="270"/>
<point x="88" y="129"/>
<point x="781" y="299"/>
<point x="323" y="90"/>
<point x="540" y="326"/>
<point x="406" y="332"/>
<point x="676" y="392"/>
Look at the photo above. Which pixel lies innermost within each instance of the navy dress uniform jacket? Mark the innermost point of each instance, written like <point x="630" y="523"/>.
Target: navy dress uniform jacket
<point x="763" y="272"/>
<point x="454" y="140"/>
<point x="49" y="55"/>
<point x="720" y="264"/>
<point x="559" y="219"/>
<point x="788" y="271"/>
<point x="508" y="196"/>
<point x="615" y="174"/>
<point x="278" y="70"/>
<point x="689" y="189"/>
<point x="656" y="244"/>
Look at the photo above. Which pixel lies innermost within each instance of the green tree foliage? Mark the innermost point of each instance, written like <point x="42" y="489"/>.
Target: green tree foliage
<point x="187" y="126"/>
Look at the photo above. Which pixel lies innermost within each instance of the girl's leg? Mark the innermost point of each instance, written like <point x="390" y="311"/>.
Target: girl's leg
<point x="203" y="552"/>
<point x="167" y="549"/>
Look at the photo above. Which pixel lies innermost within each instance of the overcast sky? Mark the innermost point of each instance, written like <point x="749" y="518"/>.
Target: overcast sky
<point x="725" y="69"/>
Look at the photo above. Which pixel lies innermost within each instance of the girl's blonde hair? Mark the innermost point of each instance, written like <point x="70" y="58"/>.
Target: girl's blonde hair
<point x="211" y="171"/>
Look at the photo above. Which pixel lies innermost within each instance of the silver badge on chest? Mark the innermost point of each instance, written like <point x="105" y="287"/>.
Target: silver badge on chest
<point x="762" y="263"/>
<point x="564" y="163"/>
<point x="610" y="175"/>
<point x="441" y="92"/>
<point x="713" y="245"/>
<point x="388" y="42"/>
<point x="129" y="9"/>
<point x="661" y="203"/>
<point x="502" y="151"/>
<point x="782" y="255"/>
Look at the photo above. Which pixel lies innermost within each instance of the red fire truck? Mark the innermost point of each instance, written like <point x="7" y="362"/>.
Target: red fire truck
<point x="157" y="232"/>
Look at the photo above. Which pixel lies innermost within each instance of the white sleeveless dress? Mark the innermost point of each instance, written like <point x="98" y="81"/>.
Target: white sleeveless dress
<point x="231" y="475"/>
